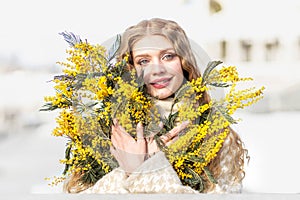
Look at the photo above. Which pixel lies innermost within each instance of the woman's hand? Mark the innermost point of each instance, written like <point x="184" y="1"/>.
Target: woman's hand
<point x="167" y="139"/>
<point x="129" y="153"/>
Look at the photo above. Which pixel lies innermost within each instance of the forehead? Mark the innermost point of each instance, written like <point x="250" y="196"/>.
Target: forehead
<point x="152" y="42"/>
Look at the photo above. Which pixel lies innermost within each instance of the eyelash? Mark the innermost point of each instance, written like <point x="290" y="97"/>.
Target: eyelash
<point x="167" y="56"/>
<point x="140" y="62"/>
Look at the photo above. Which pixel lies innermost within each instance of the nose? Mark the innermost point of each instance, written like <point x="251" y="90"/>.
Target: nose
<point x="157" y="67"/>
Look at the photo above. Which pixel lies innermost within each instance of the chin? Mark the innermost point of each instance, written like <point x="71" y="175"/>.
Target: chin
<point x="162" y="95"/>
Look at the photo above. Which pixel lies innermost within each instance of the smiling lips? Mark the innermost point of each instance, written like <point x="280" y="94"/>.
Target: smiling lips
<point x="160" y="83"/>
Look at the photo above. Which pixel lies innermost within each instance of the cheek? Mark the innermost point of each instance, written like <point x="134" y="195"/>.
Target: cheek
<point x="176" y="66"/>
<point x="177" y="69"/>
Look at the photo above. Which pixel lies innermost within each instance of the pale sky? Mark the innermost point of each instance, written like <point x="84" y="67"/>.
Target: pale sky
<point x="29" y="29"/>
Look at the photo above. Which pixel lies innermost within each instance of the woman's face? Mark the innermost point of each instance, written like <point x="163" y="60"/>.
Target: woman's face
<point x="154" y="57"/>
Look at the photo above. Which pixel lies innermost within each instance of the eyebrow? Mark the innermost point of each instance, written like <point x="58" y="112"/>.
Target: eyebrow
<point x="147" y="55"/>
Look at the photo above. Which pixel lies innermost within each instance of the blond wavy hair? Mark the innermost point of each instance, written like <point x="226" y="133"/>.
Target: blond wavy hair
<point x="231" y="156"/>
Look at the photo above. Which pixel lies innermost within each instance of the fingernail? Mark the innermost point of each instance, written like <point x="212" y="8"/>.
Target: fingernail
<point x="140" y="125"/>
<point x="115" y="121"/>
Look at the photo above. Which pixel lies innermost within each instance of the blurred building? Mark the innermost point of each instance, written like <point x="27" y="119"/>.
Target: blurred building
<point x="22" y="97"/>
<point x="262" y="39"/>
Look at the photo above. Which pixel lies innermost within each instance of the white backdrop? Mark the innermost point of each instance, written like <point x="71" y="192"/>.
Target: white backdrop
<point x="29" y="38"/>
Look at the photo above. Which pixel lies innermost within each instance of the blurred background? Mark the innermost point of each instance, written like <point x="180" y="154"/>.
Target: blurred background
<point x="260" y="37"/>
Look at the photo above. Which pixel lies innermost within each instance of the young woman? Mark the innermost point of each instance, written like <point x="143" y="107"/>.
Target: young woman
<point x="161" y="53"/>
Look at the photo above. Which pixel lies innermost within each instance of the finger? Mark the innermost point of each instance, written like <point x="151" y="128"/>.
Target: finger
<point x="167" y="138"/>
<point x="164" y="138"/>
<point x="140" y="138"/>
<point x="115" y="134"/>
<point x="140" y="133"/>
<point x="120" y="141"/>
<point x="114" y="130"/>
<point x="113" y="151"/>
<point x="114" y="141"/>
<point x="172" y="141"/>
<point x="115" y="121"/>
<point x="175" y="131"/>
<point x="118" y="130"/>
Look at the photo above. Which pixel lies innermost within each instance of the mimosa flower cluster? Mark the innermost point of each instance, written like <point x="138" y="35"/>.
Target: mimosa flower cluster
<point x="95" y="88"/>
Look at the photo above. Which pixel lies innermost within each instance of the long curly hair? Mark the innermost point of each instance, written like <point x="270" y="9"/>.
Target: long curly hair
<point x="231" y="156"/>
<point x="228" y="165"/>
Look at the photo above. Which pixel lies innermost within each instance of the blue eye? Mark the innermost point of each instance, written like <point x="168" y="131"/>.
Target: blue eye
<point x="143" y="62"/>
<point x="168" y="56"/>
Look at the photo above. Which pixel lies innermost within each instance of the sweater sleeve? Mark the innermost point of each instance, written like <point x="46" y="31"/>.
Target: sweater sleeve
<point x="155" y="175"/>
<point x="111" y="183"/>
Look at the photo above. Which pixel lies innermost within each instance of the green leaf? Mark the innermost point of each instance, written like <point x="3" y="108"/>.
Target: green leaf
<point x="225" y="114"/>
<point x="48" y="107"/>
<point x="71" y="38"/>
<point x="64" y="77"/>
<point x="196" y="159"/>
<point x="180" y="93"/>
<point x="196" y="181"/>
<point x="220" y="84"/>
<point x="209" y="175"/>
<point x="119" y="108"/>
<point x="67" y="156"/>
<point x="210" y="66"/>
<point x="170" y="122"/>
<point x="91" y="104"/>
<point x="114" y="48"/>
